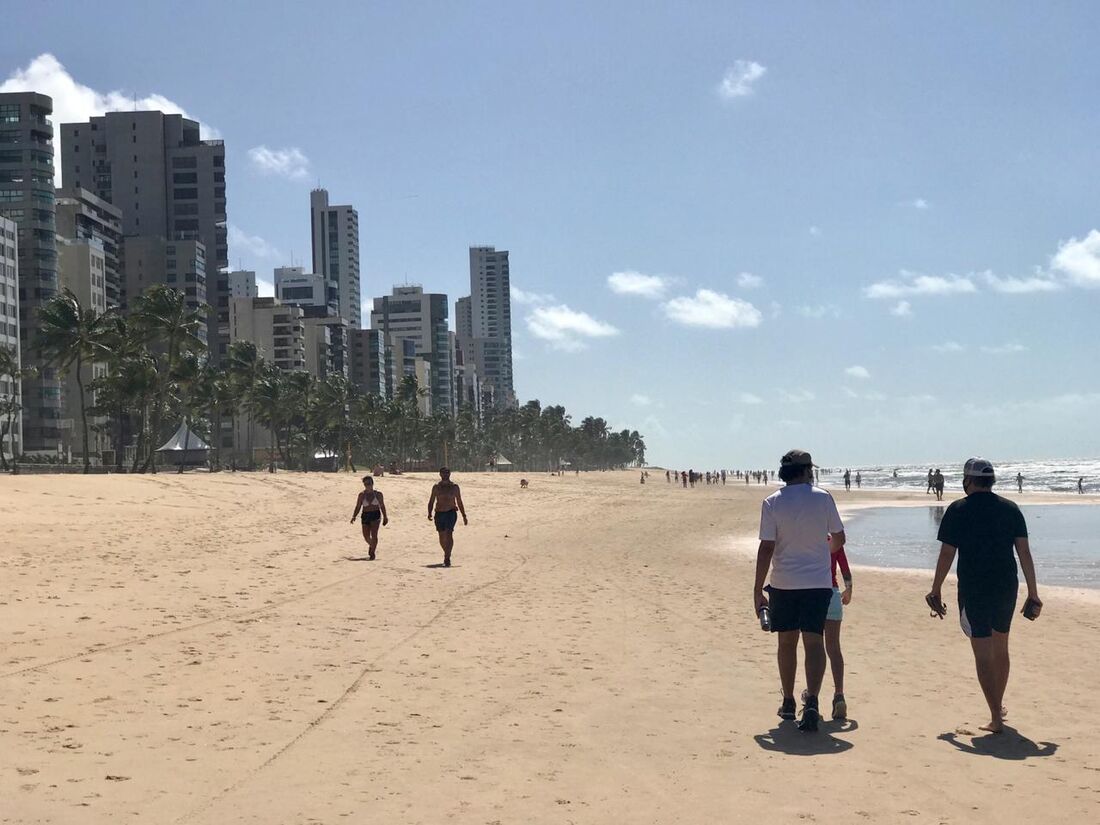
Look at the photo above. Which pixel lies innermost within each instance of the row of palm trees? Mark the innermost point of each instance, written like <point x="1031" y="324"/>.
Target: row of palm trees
<point x="155" y="372"/>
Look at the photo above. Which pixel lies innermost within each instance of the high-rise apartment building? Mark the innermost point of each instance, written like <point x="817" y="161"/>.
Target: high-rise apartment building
<point x="81" y="215"/>
<point x="276" y="329"/>
<point x="10" y="390"/>
<point x="150" y="259"/>
<point x="367" y="361"/>
<point x="335" y="239"/>
<point x="241" y="283"/>
<point x="484" y="321"/>
<point x="293" y="285"/>
<point x="421" y="317"/>
<point x="167" y="181"/>
<point x="27" y="197"/>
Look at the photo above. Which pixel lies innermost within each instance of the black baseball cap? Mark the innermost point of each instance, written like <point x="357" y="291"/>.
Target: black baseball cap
<point x="799" y="458"/>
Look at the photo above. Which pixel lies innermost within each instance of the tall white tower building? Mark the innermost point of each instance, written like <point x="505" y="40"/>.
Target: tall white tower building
<point x="335" y="238"/>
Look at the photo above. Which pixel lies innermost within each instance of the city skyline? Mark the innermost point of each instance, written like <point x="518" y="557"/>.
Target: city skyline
<point x="732" y="247"/>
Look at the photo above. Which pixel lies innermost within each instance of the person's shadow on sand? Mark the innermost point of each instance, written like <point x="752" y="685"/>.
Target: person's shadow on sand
<point x="787" y="738"/>
<point x="1011" y="744"/>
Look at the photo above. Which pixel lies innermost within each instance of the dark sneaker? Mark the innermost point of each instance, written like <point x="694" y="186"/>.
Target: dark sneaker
<point x="840" y="707"/>
<point x="787" y="711"/>
<point x="810" y="716"/>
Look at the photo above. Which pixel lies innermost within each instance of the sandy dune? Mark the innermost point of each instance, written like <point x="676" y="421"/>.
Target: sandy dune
<point x="205" y="649"/>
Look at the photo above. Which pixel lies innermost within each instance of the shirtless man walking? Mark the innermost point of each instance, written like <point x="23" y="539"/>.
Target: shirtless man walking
<point x="446" y="499"/>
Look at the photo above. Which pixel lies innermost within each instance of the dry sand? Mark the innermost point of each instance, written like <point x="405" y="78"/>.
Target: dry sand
<point x="205" y="649"/>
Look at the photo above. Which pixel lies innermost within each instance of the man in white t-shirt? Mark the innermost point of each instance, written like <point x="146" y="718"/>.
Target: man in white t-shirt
<point x="797" y="525"/>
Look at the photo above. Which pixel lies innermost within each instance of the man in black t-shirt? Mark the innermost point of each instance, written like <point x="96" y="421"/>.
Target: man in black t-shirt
<point x="985" y="529"/>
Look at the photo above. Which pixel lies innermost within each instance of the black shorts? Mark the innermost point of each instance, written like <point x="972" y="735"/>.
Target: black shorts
<point x="982" y="612"/>
<point x="445" y="522"/>
<point x="803" y="610"/>
<point x="371" y="516"/>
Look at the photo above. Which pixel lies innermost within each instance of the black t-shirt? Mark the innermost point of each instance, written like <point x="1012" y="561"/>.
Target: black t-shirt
<point x="984" y="526"/>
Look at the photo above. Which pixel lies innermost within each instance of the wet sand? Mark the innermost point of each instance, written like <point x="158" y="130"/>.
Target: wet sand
<point x="209" y="649"/>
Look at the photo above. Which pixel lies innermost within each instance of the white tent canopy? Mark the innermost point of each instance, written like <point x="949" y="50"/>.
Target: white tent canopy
<point x="184" y="441"/>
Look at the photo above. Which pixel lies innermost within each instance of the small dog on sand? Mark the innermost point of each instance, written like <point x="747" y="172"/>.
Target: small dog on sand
<point x="523" y="484"/>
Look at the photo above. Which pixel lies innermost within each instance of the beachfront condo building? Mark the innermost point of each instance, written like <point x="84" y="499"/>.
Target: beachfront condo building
<point x="82" y="215"/>
<point x="484" y="321"/>
<point x="414" y="315"/>
<point x="293" y="285"/>
<point x="27" y="197"/>
<point x="10" y="391"/>
<point x="334" y="233"/>
<point x="367" y="362"/>
<point x="168" y="182"/>
<point x="150" y="259"/>
<point x="276" y="329"/>
<point x="327" y="338"/>
<point x="82" y="263"/>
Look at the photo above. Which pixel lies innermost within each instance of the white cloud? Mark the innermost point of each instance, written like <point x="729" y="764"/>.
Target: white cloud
<point x="249" y="247"/>
<point x="635" y="283"/>
<point x="73" y="102"/>
<point x="739" y="79"/>
<point x="918" y="203"/>
<point x="639" y="400"/>
<point x="818" y="311"/>
<point x="815" y="231"/>
<point x="289" y="163"/>
<point x="713" y="310"/>
<point x="857" y="372"/>
<point x="566" y="329"/>
<point x="750" y="398"/>
<point x="1021" y="286"/>
<point x="902" y="309"/>
<point x="1005" y="349"/>
<point x="519" y="296"/>
<point x="798" y="396"/>
<point x="948" y="346"/>
<point x="874" y="395"/>
<point x="746" y="280"/>
<point x="1079" y="260"/>
<point x="912" y="283"/>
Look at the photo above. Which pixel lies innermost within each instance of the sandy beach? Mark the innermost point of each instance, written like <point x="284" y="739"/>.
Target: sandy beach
<point x="212" y="649"/>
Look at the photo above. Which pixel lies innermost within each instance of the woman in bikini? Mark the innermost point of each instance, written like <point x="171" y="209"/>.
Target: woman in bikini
<point x="373" y="505"/>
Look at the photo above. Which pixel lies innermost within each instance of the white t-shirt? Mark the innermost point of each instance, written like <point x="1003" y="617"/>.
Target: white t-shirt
<point x="799" y="519"/>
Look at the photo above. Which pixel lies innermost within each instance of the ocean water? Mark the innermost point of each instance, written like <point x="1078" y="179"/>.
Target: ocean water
<point x="1065" y="540"/>
<point x="1039" y="476"/>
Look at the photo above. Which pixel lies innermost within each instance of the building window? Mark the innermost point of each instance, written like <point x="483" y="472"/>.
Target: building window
<point x="185" y="177"/>
<point x="185" y="194"/>
<point x="184" y="162"/>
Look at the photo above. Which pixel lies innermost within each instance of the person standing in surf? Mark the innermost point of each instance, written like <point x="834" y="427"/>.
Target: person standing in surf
<point x="373" y="506"/>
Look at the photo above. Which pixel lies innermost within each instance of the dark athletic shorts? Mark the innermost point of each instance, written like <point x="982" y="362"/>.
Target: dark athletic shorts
<point x="373" y="515"/>
<point x="445" y="522"/>
<point x="804" y="610"/>
<point x="987" y="610"/>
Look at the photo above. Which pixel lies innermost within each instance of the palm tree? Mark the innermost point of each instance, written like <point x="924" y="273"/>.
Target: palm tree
<point x="9" y="404"/>
<point x="333" y="401"/>
<point x="245" y="368"/>
<point x="70" y="336"/>
<point x="270" y="406"/>
<point x="166" y="319"/>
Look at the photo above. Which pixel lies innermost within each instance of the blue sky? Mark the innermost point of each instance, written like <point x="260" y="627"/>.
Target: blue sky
<point x="863" y="229"/>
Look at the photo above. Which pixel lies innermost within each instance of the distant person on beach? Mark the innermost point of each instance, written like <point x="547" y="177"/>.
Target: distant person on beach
<point x="859" y="479"/>
<point x="1019" y="482"/>
<point x="937" y="484"/>
<point x="643" y="478"/>
<point x="683" y="479"/>
<point x="797" y="524"/>
<point x="847" y="479"/>
<point x="1081" y="486"/>
<point x="833" y="621"/>
<point x="446" y="498"/>
<point x="984" y="529"/>
<point x="373" y="505"/>
<point x="895" y="473"/>
<point x="929" y="490"/>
